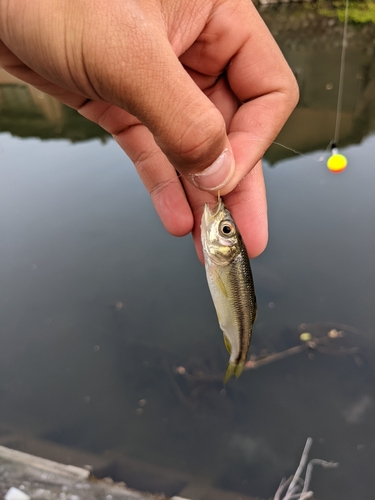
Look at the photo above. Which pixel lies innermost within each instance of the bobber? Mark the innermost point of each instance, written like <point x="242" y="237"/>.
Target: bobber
<point x="337" y="162"/>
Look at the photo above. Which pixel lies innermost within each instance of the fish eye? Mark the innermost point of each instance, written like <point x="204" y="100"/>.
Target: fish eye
<point x="227" y="228"/>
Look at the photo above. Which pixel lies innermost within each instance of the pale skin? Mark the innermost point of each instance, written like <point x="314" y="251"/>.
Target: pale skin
<point x="176" y="82"/>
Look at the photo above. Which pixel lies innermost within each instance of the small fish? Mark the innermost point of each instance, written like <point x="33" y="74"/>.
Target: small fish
<point x="231" y="283"/>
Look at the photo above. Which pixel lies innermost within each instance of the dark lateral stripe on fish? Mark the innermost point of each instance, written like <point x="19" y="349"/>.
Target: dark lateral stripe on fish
<point x="241" y="318"/>
<point x="244" y="320"/>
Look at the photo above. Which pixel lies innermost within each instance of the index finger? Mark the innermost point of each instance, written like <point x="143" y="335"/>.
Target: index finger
<point x="262" y="79"/>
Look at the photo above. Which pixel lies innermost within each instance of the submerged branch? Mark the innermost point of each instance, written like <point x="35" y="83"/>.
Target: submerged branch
<point x="323" y="344"/>
<point x="301" y="466"/>
<point x="298" y="486"/>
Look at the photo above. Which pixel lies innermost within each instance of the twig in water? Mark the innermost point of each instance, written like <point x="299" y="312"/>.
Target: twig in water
<point x="302" y="463"/>
<point x="315" y="342"/>
<point x="315" y="461"/>
<point x="296" y="487"/>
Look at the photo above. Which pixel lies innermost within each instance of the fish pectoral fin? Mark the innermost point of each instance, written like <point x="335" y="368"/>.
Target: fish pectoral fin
<point x="233" y="369"/>
<point x="227" y="344"/>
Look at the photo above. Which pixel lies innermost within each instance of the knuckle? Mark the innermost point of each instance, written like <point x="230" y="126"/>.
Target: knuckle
<point x="200" y="143"/>
<point x="144" y="157"/>
<point x="294" y="92"/>
<point x="291" y="90"/>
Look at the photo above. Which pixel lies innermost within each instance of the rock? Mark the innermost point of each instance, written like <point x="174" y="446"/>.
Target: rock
<point x="16" y="494"/>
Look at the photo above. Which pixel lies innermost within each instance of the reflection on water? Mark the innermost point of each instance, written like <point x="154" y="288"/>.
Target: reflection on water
<point x="312" y="45"/>
<point x="102" y="311"/>
<point x="27" y="112"/>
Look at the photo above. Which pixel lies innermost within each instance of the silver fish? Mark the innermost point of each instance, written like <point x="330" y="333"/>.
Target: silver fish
<point x="230" y="282"/>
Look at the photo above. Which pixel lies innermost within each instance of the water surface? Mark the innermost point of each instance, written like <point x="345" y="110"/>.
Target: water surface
<point x="99" y="305"/>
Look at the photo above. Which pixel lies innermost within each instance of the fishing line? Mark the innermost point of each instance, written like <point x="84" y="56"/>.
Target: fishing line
<point x="337" y="162"/>
<point x="298" y="153"/>
<point x="341" y="77"/>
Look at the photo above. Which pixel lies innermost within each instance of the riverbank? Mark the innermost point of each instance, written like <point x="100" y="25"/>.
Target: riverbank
<point x="359" y="11"/>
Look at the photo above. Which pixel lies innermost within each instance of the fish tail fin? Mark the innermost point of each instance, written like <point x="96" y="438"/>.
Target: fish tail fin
<point x="233" y="369"/>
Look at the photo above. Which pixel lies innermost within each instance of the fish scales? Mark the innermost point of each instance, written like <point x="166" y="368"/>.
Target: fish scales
<point x="230" y="281"/>
<point x="241" y="284"/>
<point x="241" y="287"/>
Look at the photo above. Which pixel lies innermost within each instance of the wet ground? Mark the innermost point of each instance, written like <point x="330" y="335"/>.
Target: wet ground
<point x="25" y="477"/>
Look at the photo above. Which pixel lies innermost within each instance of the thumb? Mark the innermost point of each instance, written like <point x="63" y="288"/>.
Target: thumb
<point x="185" y="124"/>
<point x="188" y="128"/>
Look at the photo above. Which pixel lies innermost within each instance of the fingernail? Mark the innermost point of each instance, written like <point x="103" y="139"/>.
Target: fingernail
<point x="216" y="175"/>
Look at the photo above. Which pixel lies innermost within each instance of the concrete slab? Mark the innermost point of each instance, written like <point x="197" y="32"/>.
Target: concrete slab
<point x="43" y="479"/>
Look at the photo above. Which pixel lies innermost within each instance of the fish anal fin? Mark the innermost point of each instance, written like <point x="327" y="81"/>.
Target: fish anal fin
<point x="227" y="344"/>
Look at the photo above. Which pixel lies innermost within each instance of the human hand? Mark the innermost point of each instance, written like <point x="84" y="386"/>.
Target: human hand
<point x="180" y="84"/>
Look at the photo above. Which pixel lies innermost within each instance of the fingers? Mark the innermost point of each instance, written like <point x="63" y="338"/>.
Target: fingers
<point x="156" y="172"/>
<point x="160" y="179"/>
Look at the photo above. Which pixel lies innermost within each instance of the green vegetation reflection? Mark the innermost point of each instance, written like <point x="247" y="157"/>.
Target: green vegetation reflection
<point x="359" y="11"/>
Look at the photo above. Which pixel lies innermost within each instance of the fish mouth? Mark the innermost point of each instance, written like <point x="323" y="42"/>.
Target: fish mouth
<point x="209" y="215"/>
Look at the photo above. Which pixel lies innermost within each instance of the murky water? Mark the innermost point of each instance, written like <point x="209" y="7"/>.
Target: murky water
<point x="103" y="314"/>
